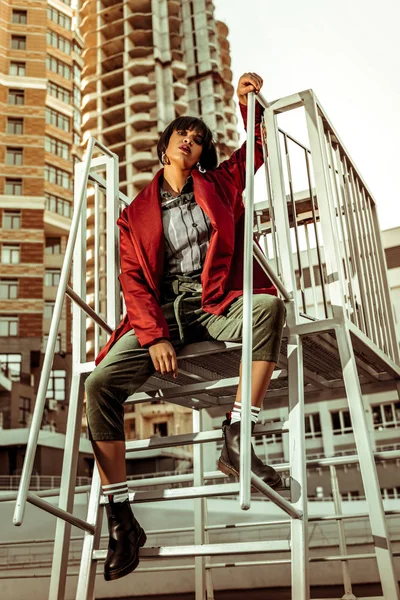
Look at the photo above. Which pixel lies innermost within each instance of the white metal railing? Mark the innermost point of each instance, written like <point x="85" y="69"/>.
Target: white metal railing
<point x="336" y="235"/>
<point x="38" y="482"/>
<point x="88" y="300"/>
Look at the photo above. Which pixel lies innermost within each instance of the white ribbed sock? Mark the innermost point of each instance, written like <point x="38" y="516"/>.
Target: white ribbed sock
<point x="118" y="492"/>
<point x="236" y="413"/>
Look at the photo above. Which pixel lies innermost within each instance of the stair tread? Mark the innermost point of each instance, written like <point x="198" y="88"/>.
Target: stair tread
<point x="207" y="549"/>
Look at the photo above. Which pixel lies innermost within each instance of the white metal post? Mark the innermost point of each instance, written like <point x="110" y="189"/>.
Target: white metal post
<point x="87" y="571"/>
<point x="297" y="459"/>
<point x="367" y="465"/>
<point x="199" y="511"/>
<point x="325" y="203"/>
<point x="247" y="336"/>
<point x="75" y="408"/>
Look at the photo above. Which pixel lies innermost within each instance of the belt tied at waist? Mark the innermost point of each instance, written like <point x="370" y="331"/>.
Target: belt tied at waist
<point x="175" y="289"/>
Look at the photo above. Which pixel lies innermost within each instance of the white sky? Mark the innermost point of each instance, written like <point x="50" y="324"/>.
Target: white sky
<point x="348" y="52"/>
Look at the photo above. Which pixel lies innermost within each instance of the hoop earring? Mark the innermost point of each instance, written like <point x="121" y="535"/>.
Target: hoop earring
<point x="200" y="168"/>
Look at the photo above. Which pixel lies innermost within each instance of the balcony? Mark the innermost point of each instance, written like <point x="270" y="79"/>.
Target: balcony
<point x="141" y="84"/>
<point x="143" y="140"/>
<point x="140" y="180"/>
<point x="140" y="6"/>
<point x="141" y="66"/>
<point x="141" y="21"/>
<point x="142" y="102"/>
<point x="178" y="68"/>
<point x="142" y="121"/>
<point x="112" y="30"/>
<point x="144" y="160"/>
<point x="111" y="13"/>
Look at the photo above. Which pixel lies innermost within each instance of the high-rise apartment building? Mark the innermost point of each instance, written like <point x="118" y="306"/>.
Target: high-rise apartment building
<point x="147" y="62"/>
<point x="40" y="137"/>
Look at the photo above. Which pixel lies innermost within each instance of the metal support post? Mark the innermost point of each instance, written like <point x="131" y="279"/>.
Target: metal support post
<point x="199" y="511"/>
<point x="300" y="580"/>
<point x="247" y="337"/>
<point x="87" y="571"/>
<point x="367" y="465"/>
<point x="337" y="502"/>
<point x="75" y="408"/>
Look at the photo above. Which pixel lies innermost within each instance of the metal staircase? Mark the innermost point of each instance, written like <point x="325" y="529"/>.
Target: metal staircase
<point x="344" y="341"/>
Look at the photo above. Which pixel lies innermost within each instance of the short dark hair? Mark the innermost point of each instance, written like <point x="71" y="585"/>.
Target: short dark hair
<point x="209" y="156"/>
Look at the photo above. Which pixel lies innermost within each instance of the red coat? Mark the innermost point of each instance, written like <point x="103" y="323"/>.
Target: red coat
<point x="219" y="193"/>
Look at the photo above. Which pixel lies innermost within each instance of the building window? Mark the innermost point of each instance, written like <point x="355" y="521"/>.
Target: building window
<point x="160" y="429"/>
<point x="18" y="42"/>
<point x="8" y="289"/>
<point x="13" y="187"/>
<point x="48" y="309"/>
<point x="53" y="117"/>
<point x="52" y="277"/>
<point x="19" y="16"/>
<point x="386" y="415"/>
<point x="53" y="245"/>
<point x="76" y="48"/>
<point x="58" y="66"/>
<point x="341" y="422"/>
<point x="57" y="385"/>
<point x="390" y="493"/>
<point x="350" y="495"/>
<point x="24" y="410"/>
<point x="17" y="68"/>
<point x="15" y="126"/>
<point x="313" y="426"/>
<point x="58" y="17"/>
<point x="59" y="92"/>
<point x="272" y="438"/>
<point x="10" y="365"/>
<point x="8" y="325"/>
<point x="58" y="205"/>
<point x="58" y="343"/>
<point x="56" y="147"/>
<point x="14" y="156"/>
<point x="10" y="254"/>
<point x="16" y="96"/>
<point x="11" y="219"/>
<point x="77" y="96"/>
<point x="57" y="176"/>
<point x="58" y="41"/>
<point x="77" y="73"/>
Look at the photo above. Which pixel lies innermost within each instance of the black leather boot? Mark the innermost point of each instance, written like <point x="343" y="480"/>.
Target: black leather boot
<point x="126" y="536"/>
<point x="229" y="461"/>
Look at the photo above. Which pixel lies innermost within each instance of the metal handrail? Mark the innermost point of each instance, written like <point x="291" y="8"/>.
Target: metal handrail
<point x="52" y="339"/>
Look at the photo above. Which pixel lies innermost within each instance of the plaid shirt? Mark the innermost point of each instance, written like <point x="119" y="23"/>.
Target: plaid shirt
<point x="187" y="231"/>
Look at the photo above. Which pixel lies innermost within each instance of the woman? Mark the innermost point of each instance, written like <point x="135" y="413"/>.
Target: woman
<point x="182" y="278"/>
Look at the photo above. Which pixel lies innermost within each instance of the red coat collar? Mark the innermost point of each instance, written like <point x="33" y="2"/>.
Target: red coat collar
<point x="145" y="222"/>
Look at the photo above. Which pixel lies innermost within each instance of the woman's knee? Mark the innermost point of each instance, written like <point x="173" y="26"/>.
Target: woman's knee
<point x="95" y="385"/>
<point x="266" y="305"/>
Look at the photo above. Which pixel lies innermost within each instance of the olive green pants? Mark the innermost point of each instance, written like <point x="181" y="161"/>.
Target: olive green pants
<point x="127" y="366"/>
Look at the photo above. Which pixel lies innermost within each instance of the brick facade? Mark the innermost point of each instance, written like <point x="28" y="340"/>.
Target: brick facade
<point x="30" y="287"/>
<point x="32" y="253"/>
<point x="32" y="219"/>
<point x="31" y="325"/>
